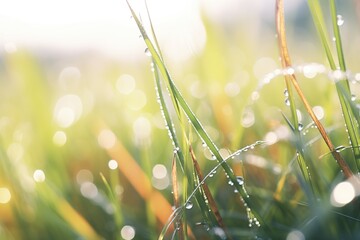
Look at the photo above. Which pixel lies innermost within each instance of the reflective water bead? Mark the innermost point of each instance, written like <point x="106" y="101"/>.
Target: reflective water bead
<point x="340" y="20"/>
<point x="189" y="205"/>
<point x="287" y="102"/>
<point x="240" y="180"/>
<point x="147" y="52"/>
<point x="286" y="93"/>
<point x="230" y="183"/>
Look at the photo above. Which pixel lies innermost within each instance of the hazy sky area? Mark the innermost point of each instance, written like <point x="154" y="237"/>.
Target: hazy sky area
<point x="106" y="26"/>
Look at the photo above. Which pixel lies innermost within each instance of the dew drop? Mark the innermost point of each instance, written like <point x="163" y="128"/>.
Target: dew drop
<point x="240" y="180"/>
<point x="287" y="102"/>
<point x="286" y="93"/>
<point x="147" y="52"/>
<point x="152" y="67"/>
<point x="189" y="205"/>
<point x="340" y="20"/>
<point x="353" y="97"/>
<point x="300" y="126"/>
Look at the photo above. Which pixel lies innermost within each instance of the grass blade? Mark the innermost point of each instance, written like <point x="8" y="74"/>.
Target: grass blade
<point x="342" y="85"/>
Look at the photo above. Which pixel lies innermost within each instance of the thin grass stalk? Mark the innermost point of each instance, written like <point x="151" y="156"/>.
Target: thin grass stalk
<point x="178" y="225"/>
<point x="114" y="204"/>
<point x="337" y="36"/>
<point x="342" y="86"/>
<point x="177" y="150"/>
<point x="349" y="115"/>
<point x="153" y="30"/>
<point x="180" y="155"/>
<point x="284" y="55"/>
<point x="188" y="172"/>
<point x="319" y="23"/>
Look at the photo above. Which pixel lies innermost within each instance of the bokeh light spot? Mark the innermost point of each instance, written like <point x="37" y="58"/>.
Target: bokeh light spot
<point x="89" y="190"/>
<point x="5" y="195"/>
<point x="125" y="84"/>
<point x="127" y="232"/>
<point x="295" y="235"/>
<point x="68" y="110"/>
<point x="39" y="175"/>
<point x="159" y="171"/>
<point x="106" y="139"/>
<point x="112" y="164"/>
<point x="342" y="194"/>
<point x="59" y="138"/>
<point x="142" y="129"/>
<point x="84" y="175"/>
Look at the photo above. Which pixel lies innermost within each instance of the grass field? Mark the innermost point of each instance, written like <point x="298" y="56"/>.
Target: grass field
<point x="254" y="136"/>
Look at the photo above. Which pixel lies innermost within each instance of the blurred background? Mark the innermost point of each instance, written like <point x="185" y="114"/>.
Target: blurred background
<point x="78" y="106"/>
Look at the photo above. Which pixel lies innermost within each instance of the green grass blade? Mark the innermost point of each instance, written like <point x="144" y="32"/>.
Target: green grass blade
<point x="342" y="85"/>
<point x="319" y="22"/>
<point x="187" y="171"/>
<point x="114" y="203"/>
<point x="337" y="36"/>
<point x="344" y="93"/>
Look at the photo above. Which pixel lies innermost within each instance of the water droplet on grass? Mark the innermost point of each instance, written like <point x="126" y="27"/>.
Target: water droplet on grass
<point x="189" y="205"/>
<point x="240" y="180"/>
<point x="353" y="97"/>
<point x="300" y="126"/>
<point x="340" y="20"/>
<point x="147" y="52"/>
<point x="287" y="102"/>
<point x="286" y="93"/>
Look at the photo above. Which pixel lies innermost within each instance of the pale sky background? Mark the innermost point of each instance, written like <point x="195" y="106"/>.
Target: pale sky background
<point x="105" y="25"/>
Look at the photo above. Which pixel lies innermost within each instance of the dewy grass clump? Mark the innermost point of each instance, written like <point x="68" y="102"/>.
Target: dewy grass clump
<point x="240" y="144"/>
<point x="325" y="196"/>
